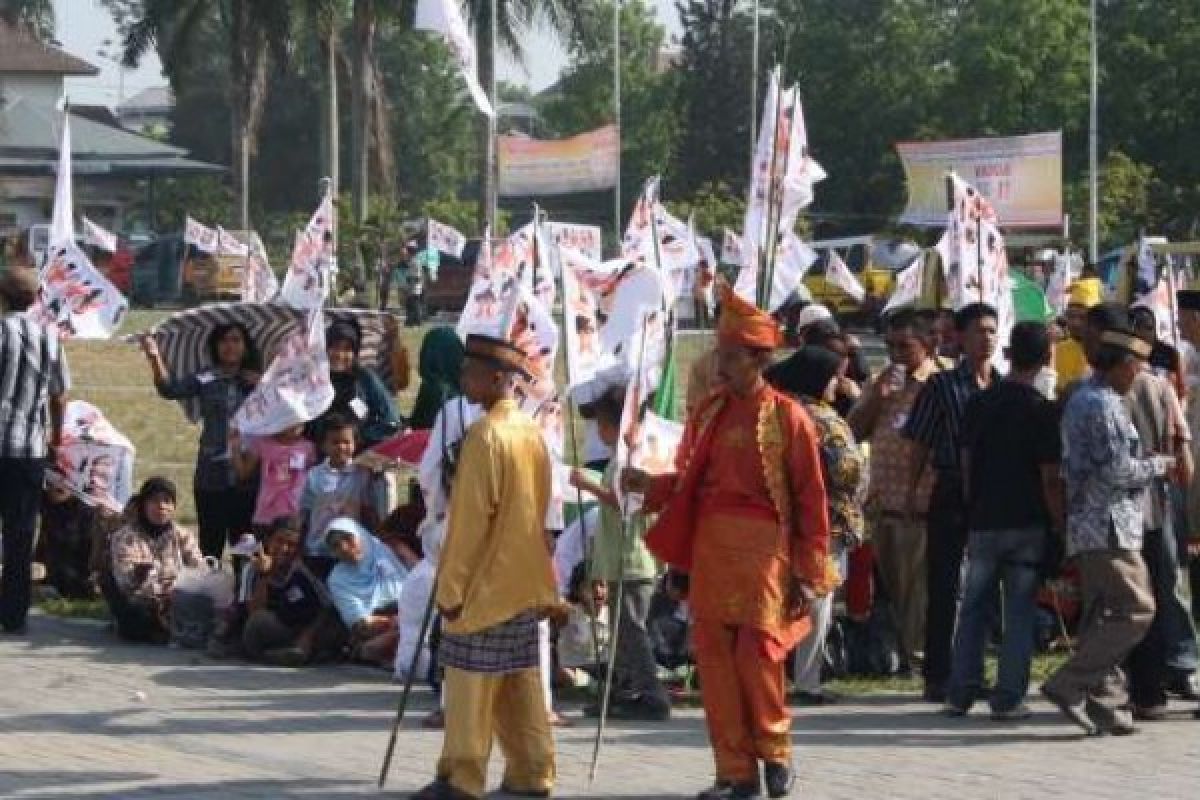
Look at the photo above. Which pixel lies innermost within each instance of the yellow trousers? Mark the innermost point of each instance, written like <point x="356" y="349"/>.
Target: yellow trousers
<point x="509" y="707"/>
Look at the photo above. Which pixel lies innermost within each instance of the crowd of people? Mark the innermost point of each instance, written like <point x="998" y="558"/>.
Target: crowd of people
<point x="946" y="505"/>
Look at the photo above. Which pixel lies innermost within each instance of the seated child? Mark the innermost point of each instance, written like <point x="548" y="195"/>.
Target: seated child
<point x="366" y="585"/>
<point x="66" y="535"/>
<point x="337" y="487"/>
<point x="290" y="618"/>
<point x="583" y="638"/>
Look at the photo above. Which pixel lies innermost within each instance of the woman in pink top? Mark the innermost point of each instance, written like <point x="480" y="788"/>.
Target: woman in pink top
<point x="283" y="460"/>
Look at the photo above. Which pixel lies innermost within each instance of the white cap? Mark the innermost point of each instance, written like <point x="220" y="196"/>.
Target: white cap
<point x="812" y="314"/>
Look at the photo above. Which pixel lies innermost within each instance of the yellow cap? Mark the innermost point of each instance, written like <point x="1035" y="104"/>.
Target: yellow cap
<point x="1085" y="292"/>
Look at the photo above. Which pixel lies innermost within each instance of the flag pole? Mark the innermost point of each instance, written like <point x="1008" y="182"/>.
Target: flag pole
<point x="775" y="207"/>
<point x="764" y="294"/>
<point x="617" y="116"/>
<point x="1093" y="143"/>
<point x="754" y="43"/>
<point x="493" y="126"/>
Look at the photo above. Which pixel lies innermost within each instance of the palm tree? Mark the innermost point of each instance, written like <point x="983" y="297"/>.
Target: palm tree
<point x="255" y="32"/>
<point x="35" y="17"/>
<point x="513" y="18"/>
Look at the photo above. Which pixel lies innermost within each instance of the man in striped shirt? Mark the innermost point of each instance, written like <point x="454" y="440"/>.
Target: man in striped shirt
<point x="934" y="429"/>
<point x="33" y="386"/>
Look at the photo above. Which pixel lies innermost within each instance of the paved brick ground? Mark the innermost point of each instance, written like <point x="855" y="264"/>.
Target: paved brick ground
<point x="74" y="723"/>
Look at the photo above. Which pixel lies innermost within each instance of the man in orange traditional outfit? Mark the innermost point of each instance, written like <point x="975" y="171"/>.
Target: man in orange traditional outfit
<point x="745" y="514"/>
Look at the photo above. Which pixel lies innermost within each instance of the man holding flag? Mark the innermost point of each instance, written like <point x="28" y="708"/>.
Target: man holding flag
<point x="745" y="514"/>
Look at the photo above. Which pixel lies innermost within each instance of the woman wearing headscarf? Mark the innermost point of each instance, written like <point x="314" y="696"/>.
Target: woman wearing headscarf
<point x="811" y="374"/>
<point x="224" y="504"/>
<point x="365" y="585"/>
<point x="145" y="558"/>
<point x="358" y="392"/>
<point x="439" y="365"/>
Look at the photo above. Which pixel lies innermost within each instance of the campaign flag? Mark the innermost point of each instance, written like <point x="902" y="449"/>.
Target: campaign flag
<point x="445" y="17"/>
<point x="230" y="245"/>
<point x="445" y="239"/>
<point x="62" y="218"/>
<point x="837" y="273"/>
<point x="533" y="330"/>
<point x="658" y="441"/>
<point x="295" y="389"/>
<point x="1056" y="285"/>
<point x="75" y="297"/>
<point x="908" y="286"/>
<point x="586" y="239"/>
<point x="581" y="316"/>
<point x="675" y="250"/>
<point x="973" y="252"/>
<point x="259" y="284"/>
<point x="200" y="236"/>
<point x="96" y="236"/>
<point x="732" y="251"/>
<point x="310" y="274"/>
<point x="95" y="460"/>
<point x="793" y="259"/>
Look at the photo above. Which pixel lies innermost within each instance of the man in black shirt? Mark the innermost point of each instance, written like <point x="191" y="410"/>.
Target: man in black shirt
<point x="1011" y="452"/>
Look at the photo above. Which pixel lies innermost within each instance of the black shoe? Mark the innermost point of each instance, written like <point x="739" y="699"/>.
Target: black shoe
<point x="441" y="790"/>
<point x="724" y="790"/>
<point x="821" y="697"/>
<point x="780" y="779"/>
<point x="504" y="789"/>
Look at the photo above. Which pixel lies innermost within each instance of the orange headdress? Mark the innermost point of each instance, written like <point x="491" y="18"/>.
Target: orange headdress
<point x="743" y="324"/>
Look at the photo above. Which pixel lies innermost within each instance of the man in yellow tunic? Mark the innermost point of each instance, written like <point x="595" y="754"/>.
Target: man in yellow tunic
<point x="1070" y="363"/>
<point x="495" y="582"/>
<point x="746" y="515"/>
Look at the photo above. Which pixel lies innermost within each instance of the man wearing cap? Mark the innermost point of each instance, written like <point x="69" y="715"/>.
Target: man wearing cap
<point x="1070" y="361"/>
<point x="746" y="515"/>
<point x="33" y="398"/>
<point x="495" y="584"/>
<point x="1107" y="472"/>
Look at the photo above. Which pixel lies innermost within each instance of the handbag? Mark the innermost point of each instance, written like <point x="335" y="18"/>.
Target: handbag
<point x="198" y="596"/>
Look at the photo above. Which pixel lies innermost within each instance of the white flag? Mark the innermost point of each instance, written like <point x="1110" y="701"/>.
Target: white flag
<point x="732" y="251"/>
<point x="230" y="245"/>
<point x="200" y="236"/>
<point x="445" y="239"/>
<point x="96" y="236"/>
<point x="837" y="273"/>
<point x="296" y="387"/>
<point x="445" y="17"/>
<point x="587" y="239"/>
<point x="76" y="298"/>
<point x="580" y="315"/>
<point x="1056" y="284"/>
<point x="310" y="274"/>
<point x="62" y="220"/>
<point x="95" y="460"/>
<point x="259" y="284"/>
<point x="908" y="285"/>
<point x="793" y="258"/>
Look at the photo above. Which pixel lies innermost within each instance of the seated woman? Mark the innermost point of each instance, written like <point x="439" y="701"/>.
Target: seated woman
<point x="358" y="392"/>
<point x="290" y="619"/>
<point x="366" y="584"/>
<point x="145" y="557"/>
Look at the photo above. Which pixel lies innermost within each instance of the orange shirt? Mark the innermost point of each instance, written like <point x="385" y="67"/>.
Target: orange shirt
<point x="733" y="479"/>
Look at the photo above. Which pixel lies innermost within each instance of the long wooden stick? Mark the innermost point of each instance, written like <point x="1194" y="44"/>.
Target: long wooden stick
<point x="606" y="688"/>
<point x="402" y="707"/>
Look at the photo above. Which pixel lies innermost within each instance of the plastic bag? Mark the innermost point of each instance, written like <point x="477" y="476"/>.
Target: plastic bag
<point x="209" y="580"/>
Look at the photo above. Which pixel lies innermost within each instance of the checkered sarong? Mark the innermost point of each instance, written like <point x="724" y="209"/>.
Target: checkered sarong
<point x="508" y="647"/>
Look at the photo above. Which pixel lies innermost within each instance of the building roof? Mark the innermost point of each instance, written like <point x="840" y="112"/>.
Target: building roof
<point x="20" y="52"/>
<point x="150" y="100"/>
<point x="29" y="143"/>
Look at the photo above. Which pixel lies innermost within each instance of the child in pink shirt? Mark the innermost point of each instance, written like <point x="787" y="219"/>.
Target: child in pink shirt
<point x="283" y="460"/>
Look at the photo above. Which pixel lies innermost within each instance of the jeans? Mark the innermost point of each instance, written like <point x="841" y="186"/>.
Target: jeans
<point x="20" y="498"/>
<point x="635" y="667"/>
<point x="947" y="527"/>
<point x="1009" y="559"/>
<point x="1181" y="652"/>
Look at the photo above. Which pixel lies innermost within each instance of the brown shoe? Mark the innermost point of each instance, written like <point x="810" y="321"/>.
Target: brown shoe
<point x="441" y="790"/>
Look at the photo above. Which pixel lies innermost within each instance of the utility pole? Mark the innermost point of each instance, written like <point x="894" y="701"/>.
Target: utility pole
<point x="617" y="115"/>
<point x="1093" y="147"/>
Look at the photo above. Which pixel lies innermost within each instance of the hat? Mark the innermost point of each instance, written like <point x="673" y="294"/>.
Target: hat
<point x="1085" y="292"/>
<point x="812" y="314"/>
<point x="501" y="354"/>
<point x="743" y="324"/>
<point x="19" y="283"/>
<point x="1129" y="342"/>
<point x="1188" y="299"/>
<point x="806" y="372"/>
<point x="157" y="485"/>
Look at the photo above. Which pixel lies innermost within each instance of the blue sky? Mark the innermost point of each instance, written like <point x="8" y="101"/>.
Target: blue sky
<point x="85" y="25"/>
